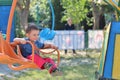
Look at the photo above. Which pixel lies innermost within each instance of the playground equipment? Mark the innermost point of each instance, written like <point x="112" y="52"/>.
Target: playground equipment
<point x="9" y="56"/>
<point x="115" y="3"/>
<point x="109" y="64"/>
<point x="4" y="36"/>
<point x="116" y="6"/>
<point x="5" y="6"/>
<point x="46" y="33"/>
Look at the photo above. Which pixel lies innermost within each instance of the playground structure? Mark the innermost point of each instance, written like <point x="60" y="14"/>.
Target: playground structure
<point x="115" y="3"/>
<point x="116" y="6"/>
<point x="109" y="59"/>
<point x="47" y="33"/>
<point x="109" y="65"/>
<point x="5" y="6"/>
<point x="7" y="54"/>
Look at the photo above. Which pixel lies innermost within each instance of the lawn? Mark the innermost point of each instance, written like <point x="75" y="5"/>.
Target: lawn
<point x="74" y="67"/>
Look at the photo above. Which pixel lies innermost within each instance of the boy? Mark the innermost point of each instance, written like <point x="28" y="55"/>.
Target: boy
<point x="32" y="34"/>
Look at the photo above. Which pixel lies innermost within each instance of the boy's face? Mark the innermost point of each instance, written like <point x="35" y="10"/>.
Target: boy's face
<point x="33" y="35"/>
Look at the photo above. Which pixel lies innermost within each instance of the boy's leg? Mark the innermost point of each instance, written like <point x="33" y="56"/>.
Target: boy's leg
<point x="46" y="63"/>
<point x="38" y="60"/>
<point x="54" y="71"/>
<point x="50" y="61"/>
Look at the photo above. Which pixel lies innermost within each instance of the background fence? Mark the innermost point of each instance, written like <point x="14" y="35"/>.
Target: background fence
<point x="78" y="39"/>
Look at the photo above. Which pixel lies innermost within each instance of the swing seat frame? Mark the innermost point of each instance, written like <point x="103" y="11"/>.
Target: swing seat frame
<point x="9" y="56"/>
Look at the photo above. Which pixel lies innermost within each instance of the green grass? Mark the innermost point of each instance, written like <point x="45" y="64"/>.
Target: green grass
<point x="73" y="68"/>
<point x="81" y="72"/>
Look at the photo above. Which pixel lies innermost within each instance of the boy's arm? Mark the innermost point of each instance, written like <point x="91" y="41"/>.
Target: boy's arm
<point x="20" y="40"/>
<point x="17" y="41"/>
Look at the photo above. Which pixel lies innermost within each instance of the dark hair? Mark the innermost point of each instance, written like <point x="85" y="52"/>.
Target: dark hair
<point x="31" y="26"/>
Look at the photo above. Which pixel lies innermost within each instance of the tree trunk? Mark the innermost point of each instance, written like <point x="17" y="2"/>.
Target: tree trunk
<point x="96" y="15"/>
<point x="24" y="18"/>
<point x="23" y="7"/>
<point x="96" y="21"/>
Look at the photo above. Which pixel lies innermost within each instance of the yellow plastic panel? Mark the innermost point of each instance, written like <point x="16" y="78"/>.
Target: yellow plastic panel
<point x="116" y="63"/>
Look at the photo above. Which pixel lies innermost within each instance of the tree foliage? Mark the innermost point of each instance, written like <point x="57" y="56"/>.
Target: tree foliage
<point x="75" y="9"/>
<point x="41" y="12"/>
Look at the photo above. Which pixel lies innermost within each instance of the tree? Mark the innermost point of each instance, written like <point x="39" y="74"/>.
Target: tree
<point x="23" y="10"/>
<point x="99" y="8"/>
<point x="96" y="14"/>
<point x="40" y="10"/>
<point x="36" y="9"/>
<point x="75" y="9"/>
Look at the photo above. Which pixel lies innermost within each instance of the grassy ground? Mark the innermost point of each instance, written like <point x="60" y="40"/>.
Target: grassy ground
<point x="75" y="67"/>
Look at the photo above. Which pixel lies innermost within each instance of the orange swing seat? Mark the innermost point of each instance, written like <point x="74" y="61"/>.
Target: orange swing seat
<point x="9" y="57"/>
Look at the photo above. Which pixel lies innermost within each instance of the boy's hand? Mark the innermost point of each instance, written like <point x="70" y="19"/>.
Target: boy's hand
<point x="23" y="41"/>
<point x="54" y="47"/>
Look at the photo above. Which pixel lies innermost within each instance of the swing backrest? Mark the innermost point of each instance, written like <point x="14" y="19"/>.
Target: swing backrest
<point x="5" y="50"/>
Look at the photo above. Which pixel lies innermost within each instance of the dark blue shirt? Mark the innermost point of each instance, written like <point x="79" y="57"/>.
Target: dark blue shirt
<point x="26" y="49"/>
<point x="68" y="27"/>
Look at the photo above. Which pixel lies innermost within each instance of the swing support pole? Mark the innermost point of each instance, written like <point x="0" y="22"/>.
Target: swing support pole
<point x="10" y="19"/>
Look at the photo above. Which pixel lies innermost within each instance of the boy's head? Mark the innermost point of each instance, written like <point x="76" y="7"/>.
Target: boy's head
<point x="32" y="32"/>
